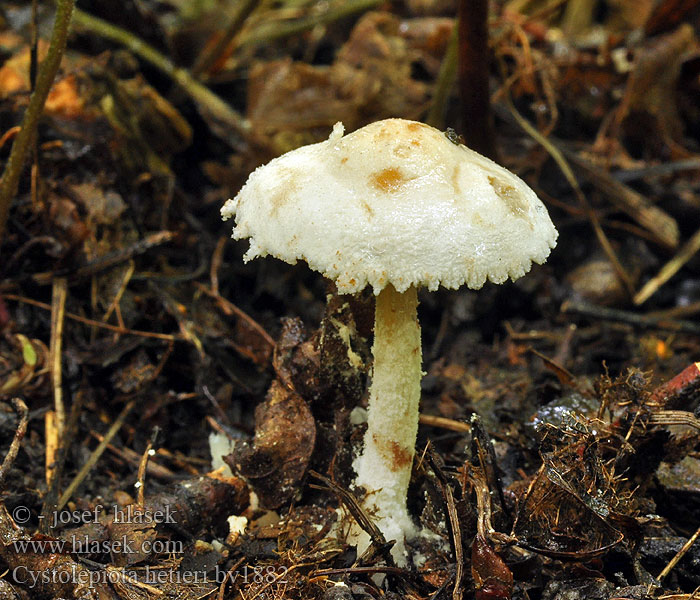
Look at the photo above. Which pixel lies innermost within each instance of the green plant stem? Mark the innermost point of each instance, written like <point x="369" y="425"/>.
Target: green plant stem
<point x="30" y="121"/>
<point x="201" y="94"/>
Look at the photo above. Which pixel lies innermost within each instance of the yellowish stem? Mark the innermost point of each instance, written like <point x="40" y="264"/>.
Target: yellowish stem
<point x="384" y="469"/>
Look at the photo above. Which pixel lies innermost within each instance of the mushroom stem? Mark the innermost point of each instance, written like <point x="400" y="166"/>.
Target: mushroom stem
<point x="384" y="469"/>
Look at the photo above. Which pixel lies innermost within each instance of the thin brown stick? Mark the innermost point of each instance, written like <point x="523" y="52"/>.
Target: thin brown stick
<point x="689" y="249"/>
<point x="8" y="135"/>
<point x="353" y="506"/>
<point x="141" y="481"/>
<point x="474" y="61"/>
<point x="54" y="469"/>
<point x="58" y="310"/>
<point x="153" y="468"/>
<point x="225" y="43"/>
<point x="114" y="304"/>
<point x="564" y="167"/>
<point x="270" y="30"/>
<point x="95" y="456"/>
<point x="676" y="312"/>
<point x="444" y="423"/>
<point x="51" y="444"/>
<point x="658" y="222"/>
<point x="229" y="575"/>
<point x="565" y="376"/>
<point x="107" y="261"/>
<point x="455" y="525"/>
<point x="126" y="578"/>
<point x="231" y="309"/>
<point x="159" y="336"/>
<point x="23" y="413"/>
<point x="648" y="321"/>
<point x="681" y="553"/>
<point x="216" y="260"/>
<point x="207" y="101"/>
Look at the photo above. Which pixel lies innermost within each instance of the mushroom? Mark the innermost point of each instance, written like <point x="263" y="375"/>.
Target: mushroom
<point x="395" y="205"/>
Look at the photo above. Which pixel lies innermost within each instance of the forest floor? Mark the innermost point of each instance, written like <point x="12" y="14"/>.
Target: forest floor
<point x="134" y="340"/>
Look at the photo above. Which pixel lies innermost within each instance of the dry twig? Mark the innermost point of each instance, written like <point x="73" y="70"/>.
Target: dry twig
<point x="648" y="321"/>
<point x="95" y="456"/>
<point x="107" y="261"/>
<point x="444" y="423"/>
<point x="689" y="249"/>
<point x="58" y="310"/>
<point x="124" y="330"/>
<point x="21" y="430"/>
<point x="455" y="526"/>
<point x="564" y="167"/>
<point x="680" y="554"/>
<point x="141" y="479"/>
<point x="658" y="222"/>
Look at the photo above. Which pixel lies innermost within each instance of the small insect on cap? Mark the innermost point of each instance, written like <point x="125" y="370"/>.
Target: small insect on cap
<point x="393" y="202"/>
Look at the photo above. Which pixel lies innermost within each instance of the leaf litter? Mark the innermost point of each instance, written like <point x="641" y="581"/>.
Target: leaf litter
<point x="558" y="447"/>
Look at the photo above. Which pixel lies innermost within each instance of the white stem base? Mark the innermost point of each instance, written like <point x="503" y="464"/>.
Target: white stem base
<point x="384" y="468"/>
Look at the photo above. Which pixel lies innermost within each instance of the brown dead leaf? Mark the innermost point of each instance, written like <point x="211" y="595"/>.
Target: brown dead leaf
<point x="132" y="541"/>
<point x="64" y="99"/>
<point x="22" y="364"/>
<point x="103" y="206"/>
<point x="276" y="460"/>
<point x="344" y="355"/>
<point x="14" y="74"/>
<point x="295" y="362"/>
<point x="294" y="103"/>
<point x="295" y="97"/>
<point x="375" y="64"/>
<point x="67" y="221"/>
<point x="428" y="36"/>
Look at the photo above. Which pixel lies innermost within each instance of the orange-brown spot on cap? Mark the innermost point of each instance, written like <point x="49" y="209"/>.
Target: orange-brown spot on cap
<point x="455" y="180"/>
<point x="384" y="132"/>
<point x="343" y="160"/>
<point x="388" y="180"/>
<point x="284" y="192"/>
<point x="415" y="126"/>
<point x="515" y="203"/>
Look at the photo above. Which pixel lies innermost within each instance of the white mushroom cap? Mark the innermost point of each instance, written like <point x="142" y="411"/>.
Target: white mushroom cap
<point x="393" y="202"/>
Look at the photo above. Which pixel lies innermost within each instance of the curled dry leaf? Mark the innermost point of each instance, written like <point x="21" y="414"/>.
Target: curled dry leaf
<point x="295" y="361"/>
<point x="294" y="103"/>
<point x="276" y="460"/>
<point x="22" y="362"/>
<point x="493" y="579"/>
